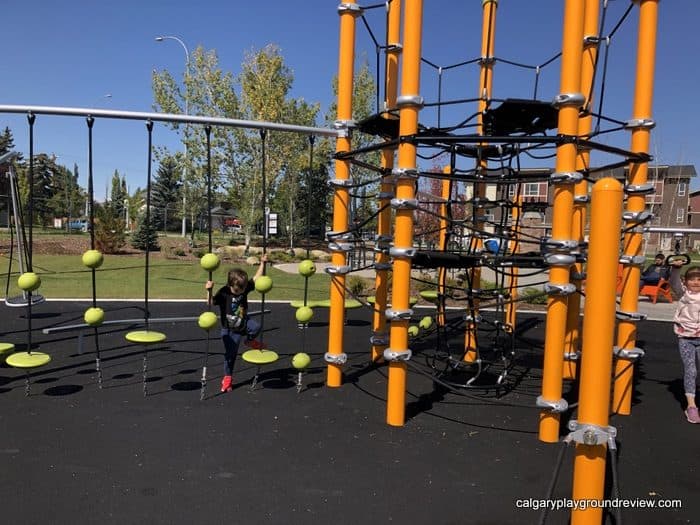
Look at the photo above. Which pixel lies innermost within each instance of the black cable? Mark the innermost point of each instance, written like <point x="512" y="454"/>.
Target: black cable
<point x="149" y="128"/>
<point x="553" y="481"/>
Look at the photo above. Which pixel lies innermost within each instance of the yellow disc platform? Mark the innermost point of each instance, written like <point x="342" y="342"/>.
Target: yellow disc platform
<point x="299" y="304"/>
<point x="145" y="337"/>
<point x="260" y="357"/>
<point x="411" y="300"/>
<point x="6" y="348"/>
<point x="429" y="295"/>
<point x="349" y="304"/>
<point x="27" y="360"/>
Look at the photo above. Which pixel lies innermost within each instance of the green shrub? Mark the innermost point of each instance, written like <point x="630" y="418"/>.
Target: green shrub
<point x="533" y="296"/>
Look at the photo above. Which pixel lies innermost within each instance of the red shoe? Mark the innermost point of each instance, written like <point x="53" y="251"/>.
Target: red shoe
<point x="255" y="344"/>
<point x="226" y="384"/>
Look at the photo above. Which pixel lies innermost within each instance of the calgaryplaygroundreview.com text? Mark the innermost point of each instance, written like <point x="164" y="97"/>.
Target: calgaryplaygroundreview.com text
<point x="583" y="504"/>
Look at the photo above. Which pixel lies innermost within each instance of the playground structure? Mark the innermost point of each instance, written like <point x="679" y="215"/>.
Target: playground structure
<point x="503" y="134"/>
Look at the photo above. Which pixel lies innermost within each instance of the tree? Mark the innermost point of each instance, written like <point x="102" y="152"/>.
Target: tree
<point x="165" y="192"/>
<point x="109" y="228"/>
<point x="206" y="91"/>
<point x="146" y="235"/>
<point x="118" y="194"/>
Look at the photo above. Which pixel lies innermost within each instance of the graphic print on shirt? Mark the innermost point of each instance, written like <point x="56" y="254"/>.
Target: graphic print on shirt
<point x="236" y="315"/>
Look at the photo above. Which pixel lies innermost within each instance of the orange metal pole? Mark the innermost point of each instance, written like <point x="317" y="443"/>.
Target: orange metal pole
<point x="511" y="307"/>
<point x="559" y="256"/>
<point x="641" y="125"/>
<point x="380" y="337"/>
<point x="591" y="432"/>
<point x="335" y="357"/>
<point x="442" y="271"/>
<point x="409" y="104"/>
<point x="488" y="42"/>
<point x="572" y="342"/>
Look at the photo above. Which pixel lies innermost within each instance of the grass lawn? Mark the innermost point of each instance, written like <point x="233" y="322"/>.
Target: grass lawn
<point x="123" y="277"/>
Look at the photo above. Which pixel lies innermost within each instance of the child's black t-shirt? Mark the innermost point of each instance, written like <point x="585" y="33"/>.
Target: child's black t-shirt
<point x="233" y="308"/>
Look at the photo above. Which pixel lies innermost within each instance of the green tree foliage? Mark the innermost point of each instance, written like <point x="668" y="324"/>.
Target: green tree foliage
<point x="165" y="191"/>
<point x="110" y="236"/>
<point x="118" y="194"/>
<point x="205" y="90"/>
<point x="7" y="141"/>
<point x="146" y="235"/>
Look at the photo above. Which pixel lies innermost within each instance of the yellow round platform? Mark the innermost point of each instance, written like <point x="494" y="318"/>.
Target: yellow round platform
<point x="411" y="300"/>
<point x="27" y="360"/>
<point x="349" y="304"/>
<point x="6" y="348"/>
<point x="429" y="295"/>
<point x="300" y="303"/>
<point x="145" y="337"/>
<point x="260" y="357"/>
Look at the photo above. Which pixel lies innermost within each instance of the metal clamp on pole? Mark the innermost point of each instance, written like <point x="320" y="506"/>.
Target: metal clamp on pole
<point x="398" y="315"/>
<point x="379" y="339"/>
<point x="338" y="236"/>
<point x="340" y="183"/>
<point x="404" y="173"/>
<point x="559" y="259"/>
<point x="402" y="252"/>
<point x="560" y="406"/>
<point x="335" y="359"/>
<point x="582" y="199"/>
<point x="589" y="434"/>
<point x="572" y="356"/>
<point x="338" y="270"/>
<point x="637" y="123"/>
<point x="634" y="260"/>
<point x="568" y="99"/>
<point x="559" y="289"/>
<point x="628" y="353"/>
<point x="344" y="127"/>
<point x="339" y="246"/>
<point x="397" y="355"/>
<point x="630" y="316"/>
<point x="409" y="101"/>
<point x="404" y="204"/>
<point x="640" y="189"/>
<point x="383" y="266"/>
<point x="638" y="216"/>
<point x="565" y="177"/>
<point x="472" y="318"/>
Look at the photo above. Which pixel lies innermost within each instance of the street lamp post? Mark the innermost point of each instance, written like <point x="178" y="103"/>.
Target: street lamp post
<point x="187" y="112"/>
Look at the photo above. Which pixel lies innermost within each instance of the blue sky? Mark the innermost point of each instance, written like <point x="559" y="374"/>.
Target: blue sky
<point x="75" y="53"/>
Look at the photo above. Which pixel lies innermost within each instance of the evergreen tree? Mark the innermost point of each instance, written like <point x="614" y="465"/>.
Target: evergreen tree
<point x="7" y="141"/>
<point x="109" y="228"/>
<point x="165" y="193"/>
<point x="145" y="236"/>
<point x="118" y="194"/>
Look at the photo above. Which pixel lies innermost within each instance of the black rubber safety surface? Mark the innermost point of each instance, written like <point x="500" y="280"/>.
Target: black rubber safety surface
<point x="71" y="452"/>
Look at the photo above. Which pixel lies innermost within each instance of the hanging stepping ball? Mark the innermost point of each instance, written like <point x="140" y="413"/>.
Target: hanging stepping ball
<point x="413" y="330"/>
<point x="263" y="284"/>
<point x="304" y="314"/>
<point x="301" y="360"/>
<point x="29" y="281"/>
<point x="426" y="322"/>
<point x="94" y="316"/>
<point x="207" y="320"/>
<point x="209" y="262"/>
<point x="93" y="258"/>
<point x="27" y="360"/>
<point x="307" y="268"/>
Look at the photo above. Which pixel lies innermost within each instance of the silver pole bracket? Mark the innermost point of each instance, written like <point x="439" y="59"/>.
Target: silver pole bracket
<point x="558" y="406"/>
<point x="404" y="173"/>
<point x="568" y="99"/>
<point x="402" y="252"/>
<point x="339" y="246"/>
<point x="335" y="359"/>
<point x="338" y="236"/>
<point x="635" y="260"/>
<point x="472" y="318"/>
<point x="638" y="216"/>
<point x="398" y="315"/>
<point x="379" y="339"/>
<point x="582" y="199"/>
<point x="637" y="123"/>
<point x="628" y="353"/>
<point x="340" y="183"/>
<point x="559" y="289"/>
<point x="630" y="316"/>
<point x="559" y="259"/>
<point x="404" y="204"/>
<point x="409" y="101"/>
<point x="567" y="177"/>
<point x="397" y="355"/>
<point x="589" y="434"/>
<point x="383" y="266"/>
<point x="338" y="270"/>
<point x="640" y="189"/>
<point x="572" y="356"/>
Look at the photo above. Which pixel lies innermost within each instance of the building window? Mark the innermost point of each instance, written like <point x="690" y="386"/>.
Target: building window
<point x="680" y="215"/>
<point x="658" y="196"/>
<point x="532" y="189"/>
<point x="681" y="189"/>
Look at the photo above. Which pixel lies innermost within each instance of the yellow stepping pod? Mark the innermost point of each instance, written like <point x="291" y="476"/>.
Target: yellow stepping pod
<point x="299" y="303"/>
<point x="28" y="360"/>
<point x="260" y="357"/>
<point x="429" y="295"/>
<point x="145" y="337"/>
<point x="6" y="348"/>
